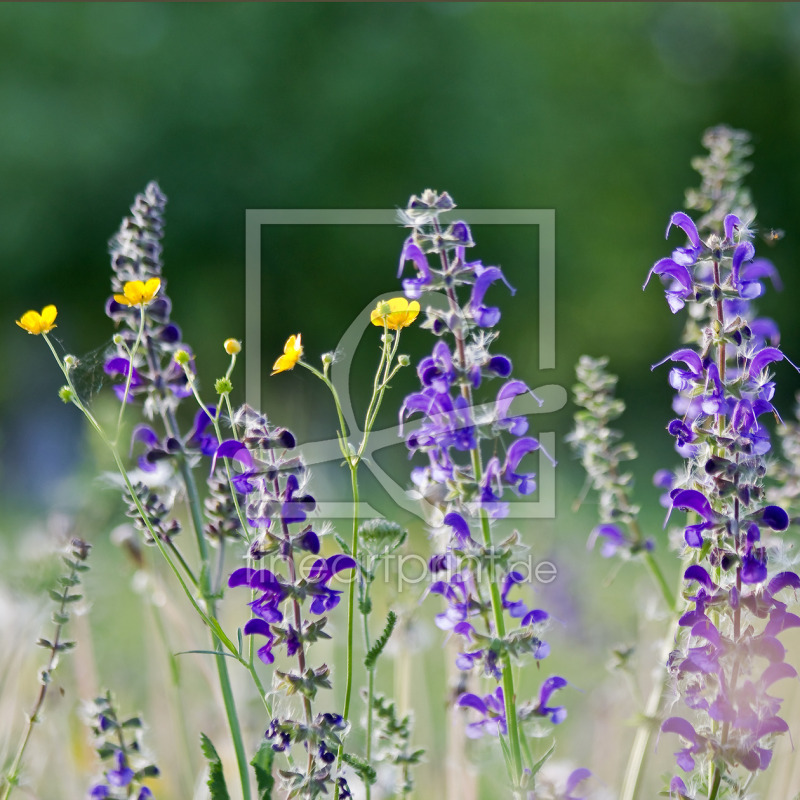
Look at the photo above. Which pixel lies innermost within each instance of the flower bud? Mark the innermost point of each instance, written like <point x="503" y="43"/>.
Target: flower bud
<point x="403" y="360"/>
<point x="232" y="347"/>
<point x="182" y="357"/>
<point x="66" y="394"/>
<point x="223" y="385"/>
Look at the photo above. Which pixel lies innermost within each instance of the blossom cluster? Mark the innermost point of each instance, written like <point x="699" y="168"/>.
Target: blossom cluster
<point x="465" y="478"/>
<point x="288" y="609"/>
<point x="729" y="655"/>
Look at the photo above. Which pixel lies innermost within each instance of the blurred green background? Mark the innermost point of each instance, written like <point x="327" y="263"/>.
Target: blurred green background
<point x="593" y="110"/>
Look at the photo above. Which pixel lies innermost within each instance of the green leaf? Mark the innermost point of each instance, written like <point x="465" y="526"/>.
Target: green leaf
<point x="361" y="768"/>
<point x="541" y="762"/>
<point x="216" y="779"/>
<point x="208" y="653"/>
<point x="262" y="766"/>
<point x="371" y="658"/>
<point x="343" y="544"/>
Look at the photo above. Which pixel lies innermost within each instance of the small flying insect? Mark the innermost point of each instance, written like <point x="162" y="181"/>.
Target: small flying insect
<point x="773" y="235"/>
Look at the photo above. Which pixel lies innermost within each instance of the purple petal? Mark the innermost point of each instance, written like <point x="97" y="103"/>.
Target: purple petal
<point x="576" y="777"/>
<point x="666" y="266"/>
<point x="241" y="577"/>
<point x="549" y="686"/>
<point x="459" y="526"/>
<point x="699" y="574"/>
<point x="685" y="222"/>
<point x="258" y="626"/>
<point x="730" y="223"/>
<point x="692" y="500"/>
<point x="743" y="252"/>
<point x="764" y="357"/>
<point x="231" y="448"/>
<point x="782" y="580"/>
<point x="472" y="701"/>
<point x="680" y="726"/>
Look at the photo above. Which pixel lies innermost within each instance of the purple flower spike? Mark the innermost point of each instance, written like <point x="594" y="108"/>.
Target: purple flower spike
<point x="685" y="222"/>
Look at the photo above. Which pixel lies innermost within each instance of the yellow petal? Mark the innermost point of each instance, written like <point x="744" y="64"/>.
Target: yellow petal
<point x="122" y="300"/>
<point x="150" y="289"/>
<point x="292" y="351"/>
<point x="49" y="314"/>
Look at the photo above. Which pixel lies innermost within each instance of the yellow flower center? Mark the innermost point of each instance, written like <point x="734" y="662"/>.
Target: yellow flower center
<point x="36" y="323"/>
<point x="396" y="313"/>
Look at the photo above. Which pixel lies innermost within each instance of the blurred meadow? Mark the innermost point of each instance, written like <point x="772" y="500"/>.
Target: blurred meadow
<point x="593" y="110"/>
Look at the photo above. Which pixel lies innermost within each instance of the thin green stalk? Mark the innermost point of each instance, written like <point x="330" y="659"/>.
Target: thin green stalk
<point x="658" y="576"/>
<point x="353" y="459"/>
<point x="209" y="615"/>
<point x="11" y="778"/>
<point x="129" y="377"/>
<point x="351" y="597"/>
<point x="370" y="689"/>
<point x="509" y="696"/>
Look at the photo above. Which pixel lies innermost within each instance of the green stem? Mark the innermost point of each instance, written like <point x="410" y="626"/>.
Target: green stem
<point x="11" y="778"/>
<point x="129" y="377"/>
<point x="658" y="576"/>
<point x="209" y="615"/>
<point x="716" y="778"/>
<point x="351" y="598"/>
<point x="370" y="684"/>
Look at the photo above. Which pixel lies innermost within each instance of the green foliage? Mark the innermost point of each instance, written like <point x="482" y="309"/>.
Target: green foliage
<point x="361" y="768"/>
<point x="262" y="766"/>
<point x="216" y="779"/>
<point x="371" y="658"/>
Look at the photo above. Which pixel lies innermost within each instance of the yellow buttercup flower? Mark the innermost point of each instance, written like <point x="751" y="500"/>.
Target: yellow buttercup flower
<point x="138" y="293"/>
<point x="36" y="323"/>
<point x="292" y="351"/>
<point x="397" y="312"/>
